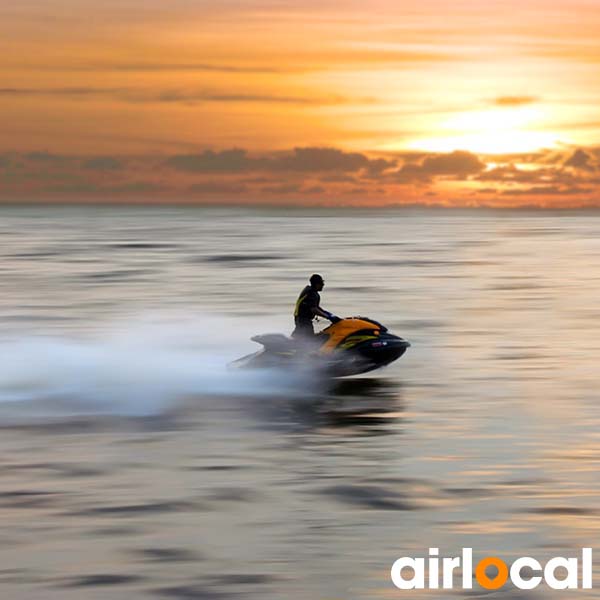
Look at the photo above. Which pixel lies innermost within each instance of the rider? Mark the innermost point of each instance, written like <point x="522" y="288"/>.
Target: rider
<point x="307" y="308"/>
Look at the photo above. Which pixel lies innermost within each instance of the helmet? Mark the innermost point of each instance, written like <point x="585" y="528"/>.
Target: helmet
<point x="315" y="279"/>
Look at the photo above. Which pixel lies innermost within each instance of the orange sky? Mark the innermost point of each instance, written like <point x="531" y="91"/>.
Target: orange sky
<point x="320" y="102"/>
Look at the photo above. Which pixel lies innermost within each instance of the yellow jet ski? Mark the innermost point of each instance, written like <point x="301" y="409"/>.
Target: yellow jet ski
<point x="350" y="346"/>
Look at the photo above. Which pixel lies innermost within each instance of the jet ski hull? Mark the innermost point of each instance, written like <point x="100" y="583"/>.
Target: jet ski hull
<point x="351" y="347"/>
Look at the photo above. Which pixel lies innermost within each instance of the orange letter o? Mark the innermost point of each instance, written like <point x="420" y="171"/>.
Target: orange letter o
<point x="484" y="581"/>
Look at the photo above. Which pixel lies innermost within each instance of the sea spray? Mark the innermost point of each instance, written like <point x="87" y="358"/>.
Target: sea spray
<point x="137" y="367"/>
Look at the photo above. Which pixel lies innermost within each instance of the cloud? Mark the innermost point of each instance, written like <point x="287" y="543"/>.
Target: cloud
<point x="94" y="189"/>
<point x="64" y="91"/>
<point x="511" y="174"/>
<point x="158" y="67"/>
<point x="314" y="159"/>
<point x="284" y="188"/>
<point x="102" y="163"/>
<point x="539" y="176"/>
<point x="299" y="160"/>
<point x="46" y="157"/>
<point x="541" y="156"/>
<point x="458" y="164"/>
<point x="132" y="95"/>
<point x="40" y="176"/>
<point x="546" y="190"/>
<point x="580" y="160"/>
<point x="337" y="178"/>
<point x="377" y="166"/>
<point x="412" y="173"/>
<point x="300" y="60"/>
<point x="515" y="100"/>
<point x="191" y="97"/>
<point x="235" y="160"/>
<point x="41" y="173"/>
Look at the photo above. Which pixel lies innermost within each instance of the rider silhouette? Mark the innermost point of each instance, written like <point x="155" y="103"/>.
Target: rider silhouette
<point x="308" y="307"/>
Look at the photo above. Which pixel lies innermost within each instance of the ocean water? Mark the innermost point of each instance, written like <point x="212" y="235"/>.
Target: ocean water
<point x="134" y="465"/>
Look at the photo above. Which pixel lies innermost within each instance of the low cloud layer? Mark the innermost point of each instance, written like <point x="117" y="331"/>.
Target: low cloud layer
<point x="304" y="160"/>
<point x="307" y="175"/>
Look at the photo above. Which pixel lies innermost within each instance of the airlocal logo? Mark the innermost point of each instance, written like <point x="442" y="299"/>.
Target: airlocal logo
<point x="526" y="572"/>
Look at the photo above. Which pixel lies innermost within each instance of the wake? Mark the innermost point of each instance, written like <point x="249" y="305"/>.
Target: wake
<point x="139" y="367"/>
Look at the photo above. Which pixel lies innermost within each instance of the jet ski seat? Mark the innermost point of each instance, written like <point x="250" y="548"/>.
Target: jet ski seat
<point x="275" y="341"/>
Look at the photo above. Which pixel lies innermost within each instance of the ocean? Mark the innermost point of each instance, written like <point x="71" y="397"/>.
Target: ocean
<point x="135" y="465"/>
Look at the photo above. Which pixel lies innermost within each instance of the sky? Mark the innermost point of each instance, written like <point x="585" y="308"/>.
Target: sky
<point x="335" y="103"/>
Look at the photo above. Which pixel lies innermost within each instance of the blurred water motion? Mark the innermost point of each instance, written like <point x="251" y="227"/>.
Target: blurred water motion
<point x="133" y="465"/>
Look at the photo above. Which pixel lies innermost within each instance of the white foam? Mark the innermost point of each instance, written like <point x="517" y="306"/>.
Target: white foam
<point x="136" y="367"/>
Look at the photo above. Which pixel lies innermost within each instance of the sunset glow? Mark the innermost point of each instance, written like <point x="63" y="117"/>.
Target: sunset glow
<point x="490" y="132"/>
<point x="148" y="101"/>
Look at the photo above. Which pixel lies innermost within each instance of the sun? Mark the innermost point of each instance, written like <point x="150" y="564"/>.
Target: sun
<point x="495" y="131"/>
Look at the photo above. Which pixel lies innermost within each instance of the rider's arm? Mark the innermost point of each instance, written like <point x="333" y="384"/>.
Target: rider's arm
<point x="325" y="314"/>
<point x="319" y="312"/>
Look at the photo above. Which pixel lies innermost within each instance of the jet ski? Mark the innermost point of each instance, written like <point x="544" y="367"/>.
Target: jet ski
<point x="350" y="346"/>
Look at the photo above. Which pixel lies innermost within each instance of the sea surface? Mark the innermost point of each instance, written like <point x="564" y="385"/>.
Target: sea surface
<point x="134" y="465"/>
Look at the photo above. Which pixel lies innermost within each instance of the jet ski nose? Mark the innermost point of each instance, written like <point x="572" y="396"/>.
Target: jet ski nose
<point x="384" y="350"/>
